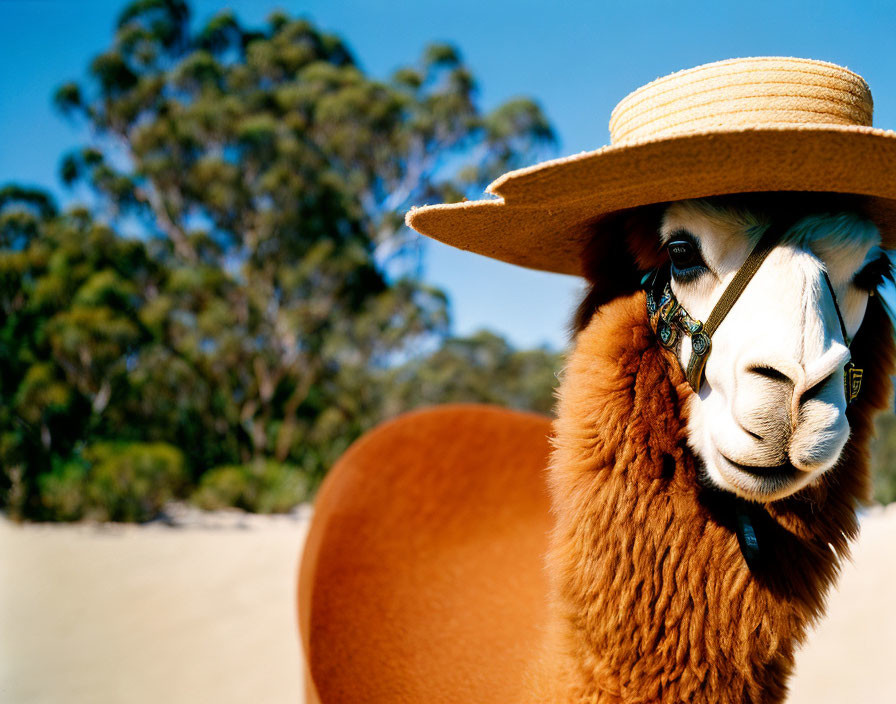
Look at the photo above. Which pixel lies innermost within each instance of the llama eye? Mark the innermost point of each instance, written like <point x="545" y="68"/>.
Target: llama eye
<point x="685" y="257"/>
<point x="873" y="274"/>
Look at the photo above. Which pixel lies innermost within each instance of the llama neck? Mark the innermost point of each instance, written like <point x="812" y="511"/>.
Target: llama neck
<point x="652" y="594"/>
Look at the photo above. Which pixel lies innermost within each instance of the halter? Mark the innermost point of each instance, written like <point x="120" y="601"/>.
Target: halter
<point x="670" y="320"/>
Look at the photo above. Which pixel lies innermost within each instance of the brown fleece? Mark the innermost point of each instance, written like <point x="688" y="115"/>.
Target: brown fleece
<point x="651" y="594"/>
<point x="614" y="267"/>
<point x="422" y="579"/>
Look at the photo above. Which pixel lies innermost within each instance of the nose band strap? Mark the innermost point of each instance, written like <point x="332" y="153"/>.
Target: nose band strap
<point x="669" y="318"/>
<point x="701" y="340"/>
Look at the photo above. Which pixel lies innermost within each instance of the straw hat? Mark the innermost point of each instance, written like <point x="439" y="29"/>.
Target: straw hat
<point x="736" y="126"/>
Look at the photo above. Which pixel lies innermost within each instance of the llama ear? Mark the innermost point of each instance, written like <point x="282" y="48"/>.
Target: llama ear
<point x="886" y="294"/>
<point x="614" y="261"/>
<point x="642" y="235"/>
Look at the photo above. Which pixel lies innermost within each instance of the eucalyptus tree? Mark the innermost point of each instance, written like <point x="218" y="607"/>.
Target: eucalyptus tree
<point x="70" y="295"/>
<point x="269" y="173"/>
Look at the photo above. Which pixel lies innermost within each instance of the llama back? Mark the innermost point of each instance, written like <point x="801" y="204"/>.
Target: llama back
<point x="423" y="578"/>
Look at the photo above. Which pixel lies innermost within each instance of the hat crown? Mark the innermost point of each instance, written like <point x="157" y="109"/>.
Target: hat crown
<point x="743" y="93"/>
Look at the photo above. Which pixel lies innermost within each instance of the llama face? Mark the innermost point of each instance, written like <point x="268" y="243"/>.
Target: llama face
<point x="770" y="416"/>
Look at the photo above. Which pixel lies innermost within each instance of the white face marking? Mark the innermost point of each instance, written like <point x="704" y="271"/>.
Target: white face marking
<point x="770" y="416"/>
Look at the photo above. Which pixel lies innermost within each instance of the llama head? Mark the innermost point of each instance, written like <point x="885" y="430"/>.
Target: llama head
<point x="770" y="416"/>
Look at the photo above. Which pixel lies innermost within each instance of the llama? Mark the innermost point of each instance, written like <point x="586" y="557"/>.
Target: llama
<point x="701" y="493"/>
<point x="660" y="593"/>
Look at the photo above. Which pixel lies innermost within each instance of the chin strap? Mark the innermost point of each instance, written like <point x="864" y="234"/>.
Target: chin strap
<point x="669" y="319"/>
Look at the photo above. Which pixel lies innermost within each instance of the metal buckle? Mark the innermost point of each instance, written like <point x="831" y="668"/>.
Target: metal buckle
<point x="852" y="381"/>
<point x="671" y="320"/>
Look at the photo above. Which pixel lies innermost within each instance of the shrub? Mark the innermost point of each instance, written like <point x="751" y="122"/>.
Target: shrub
<point x="260" y="487"/>
<point x="114" y="482"/>
<point x="883" y="458"/>
<point x="63" y="490"/>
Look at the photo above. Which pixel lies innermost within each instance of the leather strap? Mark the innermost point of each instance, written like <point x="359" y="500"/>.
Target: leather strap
<point x="701" y="342"/>
<point x="852" y="375"/>
<point x="846" y="340"/>
<point x="760" y="252"/>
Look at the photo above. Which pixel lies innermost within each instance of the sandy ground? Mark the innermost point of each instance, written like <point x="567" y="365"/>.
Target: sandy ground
<point x="204" y="612"/>
<point x="850" y="655"/>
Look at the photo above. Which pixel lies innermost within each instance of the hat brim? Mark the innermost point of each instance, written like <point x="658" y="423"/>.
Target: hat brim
<point x="545" y="214"/>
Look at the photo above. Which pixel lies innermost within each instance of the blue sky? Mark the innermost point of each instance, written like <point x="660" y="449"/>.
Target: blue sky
<point x="578" y="59"/>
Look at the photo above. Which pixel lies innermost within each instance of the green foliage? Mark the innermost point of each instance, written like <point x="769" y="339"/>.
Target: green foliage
<point x="68" y="291"/>
<point x="482" y="368"/>
<point x="64" y="490"/>
<point x="252" y="323"/>
<point x="114" y="482"/>
<point x="260" y="487"/>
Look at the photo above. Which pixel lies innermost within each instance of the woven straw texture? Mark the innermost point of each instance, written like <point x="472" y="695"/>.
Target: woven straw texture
<point x="736" y="126"/>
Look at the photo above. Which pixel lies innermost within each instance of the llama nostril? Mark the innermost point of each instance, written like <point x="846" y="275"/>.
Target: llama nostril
<point x="816" y="389"/>
<point x="769" y="373"/>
